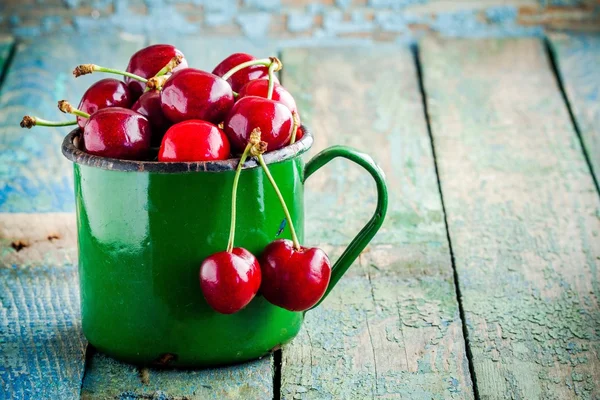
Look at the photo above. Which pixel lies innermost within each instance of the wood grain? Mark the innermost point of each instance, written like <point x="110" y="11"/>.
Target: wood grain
<point x="42" y="350"/>
<point x="391" y="328"/>
<point x="34" y="175"/>
<point x="578" y="59"/>
<point x="107" y="378"/>
<point x="523" y="216"/>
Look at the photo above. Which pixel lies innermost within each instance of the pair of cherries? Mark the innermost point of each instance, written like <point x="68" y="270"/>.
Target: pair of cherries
<point x="288" y="275"/>
<point x="198" y="116"/>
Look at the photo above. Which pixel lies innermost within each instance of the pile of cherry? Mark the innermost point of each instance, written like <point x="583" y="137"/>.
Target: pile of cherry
<point x="238" y="109"/>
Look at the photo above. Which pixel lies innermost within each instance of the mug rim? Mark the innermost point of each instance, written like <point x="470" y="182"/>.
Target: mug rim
<point x="78" y="156"/>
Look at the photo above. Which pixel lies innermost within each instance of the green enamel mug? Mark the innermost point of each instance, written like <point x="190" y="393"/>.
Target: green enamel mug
<point x="144" y="229"/>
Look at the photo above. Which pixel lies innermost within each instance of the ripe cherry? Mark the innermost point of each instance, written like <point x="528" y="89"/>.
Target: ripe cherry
<point x="194" y="94"/>
<point x="114" y="132"/>
<point x="149" y="106"/>
<point x="194" y="140"/>
<point x="244" y="76"/>
<point x="230" y="280"/>
<point x="272" y="118"/>
<point x="148" y="61"/>
<point x="294" y="279"/>
<point x="104" y="93"/>
<point x="260" y="88"/>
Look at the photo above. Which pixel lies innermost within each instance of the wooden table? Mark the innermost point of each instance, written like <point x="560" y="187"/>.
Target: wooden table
<point x="483" y="282"/>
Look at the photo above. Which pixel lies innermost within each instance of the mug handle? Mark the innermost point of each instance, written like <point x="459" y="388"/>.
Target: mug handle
<point x="363" y="238"/>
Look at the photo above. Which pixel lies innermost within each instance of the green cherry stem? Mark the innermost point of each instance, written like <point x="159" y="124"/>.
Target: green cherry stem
<point x="272" y="68"/>
<point x="29" y="122"/>
<point x="67" y="108"/>
<point x="234" y="196"/>
<point x="286" y="212"/>
<point x="85" y="69"/>
<point x="267" y="62"/>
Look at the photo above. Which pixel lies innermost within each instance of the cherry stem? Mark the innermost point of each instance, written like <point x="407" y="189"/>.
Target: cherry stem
<point x="175" y="61"/>
<point x="267" y="62"/>
<point x="67" y="108"/>
<point x="262" y="163"/>
<point x="294" y="127"/>
<point x="85" y="69"/>
<point x="29" y="122"/>
<point x="272" y="68"/>
<point x="234" y="196"/>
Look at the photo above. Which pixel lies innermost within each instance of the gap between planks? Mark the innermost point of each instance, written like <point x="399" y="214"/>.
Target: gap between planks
<point x="419" y="67"/>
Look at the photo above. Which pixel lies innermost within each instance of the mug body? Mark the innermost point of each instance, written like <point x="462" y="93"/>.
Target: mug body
<point x="144" y="229"/>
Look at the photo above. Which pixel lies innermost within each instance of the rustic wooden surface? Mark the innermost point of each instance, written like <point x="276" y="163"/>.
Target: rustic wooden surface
<point x="42" y="349"/>
<point x="578" y="59"/>
<point x="523" y="217"/>
<point x="391" y="328"/>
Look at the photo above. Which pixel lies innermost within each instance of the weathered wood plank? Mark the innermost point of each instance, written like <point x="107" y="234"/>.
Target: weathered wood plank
<point x="107" y="378"/>
<point x="391" y="329"/>
<point x="523" y="216"/>
<point x="6" y="44"/>
<point x="578" y="59"/>
<point x="42" y="350"/>
<point x="34" y="176"/>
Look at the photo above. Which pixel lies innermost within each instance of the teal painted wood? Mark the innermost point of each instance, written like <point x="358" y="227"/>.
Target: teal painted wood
<point x="41" y="345"/>
<point x="107" y="378"/>
<point x="523" y="217"/>
<point x="578" y="59"/>
<point x="6" y="45"/>
<point x="391" y="327"/>
<point x="34" y="176"/>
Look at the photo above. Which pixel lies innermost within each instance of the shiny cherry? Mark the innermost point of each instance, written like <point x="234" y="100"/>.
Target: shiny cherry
<point x="117" y="132"/>
<point x="260" y="88"/>
<point x="230" y="280"/>
<point x="194" y="140"/>
<point x="148" y="61"/>
<point x="244" y="76"/>
<point x="104" y="93"/>
<point x="273" y="118"/>
<point x="194" y="94"/>
<point x="294" y="279"/>
<point x="149" y="106"/>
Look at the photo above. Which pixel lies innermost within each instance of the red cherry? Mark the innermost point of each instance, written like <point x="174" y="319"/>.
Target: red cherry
<point x="299" y="133"/>
<point x="194" y="140"/>
<point x="104" y="93"/>
<point x="194" y="94"/>
<point x="148" y="61"/>
<point x="244" y="76"/>
<point x="117" y="132"/>
<point x="230" y="280"/>
<point x="273" y="118"/>
<point x="294" y="279"/>
<point x="149" y="106"/>
<point x="260" y="88"/>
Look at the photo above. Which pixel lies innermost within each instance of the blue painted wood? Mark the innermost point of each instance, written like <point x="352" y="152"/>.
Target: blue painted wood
<point x="579" y="66"/>
<point x="42" y="349"/>
<point x="34" y="176"/>
<point x="109" y="379"/>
